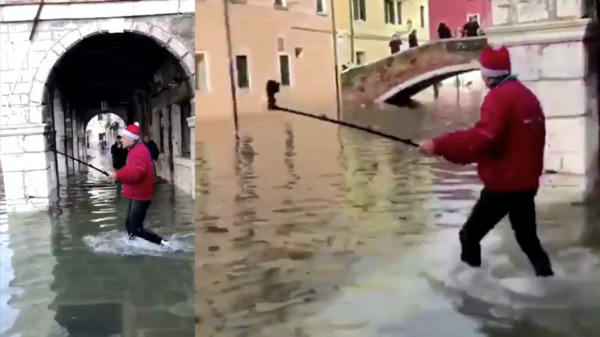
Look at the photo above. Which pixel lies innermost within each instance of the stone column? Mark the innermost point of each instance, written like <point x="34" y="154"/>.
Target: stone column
<point x="192" y="124"/>
<point x="545" y="40"/>
<point x="26" y="165"/>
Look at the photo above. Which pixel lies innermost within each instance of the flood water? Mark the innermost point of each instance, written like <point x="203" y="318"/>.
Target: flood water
<point x="309" y="229"/>
<point x="72" y="272"/>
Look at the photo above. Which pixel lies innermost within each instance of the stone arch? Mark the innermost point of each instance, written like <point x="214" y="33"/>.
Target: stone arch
<point x="109" y="26"/>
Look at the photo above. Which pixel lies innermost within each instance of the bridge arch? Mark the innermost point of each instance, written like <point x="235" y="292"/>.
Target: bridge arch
<point x="410" y="71"/>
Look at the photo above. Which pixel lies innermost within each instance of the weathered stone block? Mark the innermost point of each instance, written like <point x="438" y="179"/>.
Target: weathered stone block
<point x="189" y="64"/>
<point x="559" y="135"/>
<point x="13" y="185"/>
<point x="564" y="98"/>
<point x="160" y="35"/>
<point x="46" y="66"/>
<point x="35" y="113"/>
<point x="142" y="27"/>
<point x="36" y="183"/>
<point x="42" y="46"/>
<point x="24" y="162"/>
<point x="59" y="34"/>
<point x="526" y="62"/>
<point x="19" y="27"/>
<point x="39" y="36"/>
<point x="113" y="26"/>
<point x="146" y="8"/>
<point x="12" y="144"/>
<point x="34" y="143"/>
<point x="532" y="11"/>
<point x="89" y="29"/>
<point x="24" y="99"/>
<point x="22" y="88"/>
<point x="569" y="8"/>
<point x="553" y="60"/>
<point x="27" y="75"/>
<point x="70" y="39"/>
<point x="37" y="92"/>
<point x="23" y="37"/>
<point x="3" y="37"/>
<point x="16" y="63"/>
<point x="9" y="76"/>
<point x="177" y="48"/>
<point x="58" y="49"/>
<point x="500" y="12"/>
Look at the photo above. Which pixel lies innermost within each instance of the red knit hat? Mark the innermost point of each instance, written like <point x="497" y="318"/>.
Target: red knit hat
<point x="495" y="61"/>
<point x="132" y="131"/>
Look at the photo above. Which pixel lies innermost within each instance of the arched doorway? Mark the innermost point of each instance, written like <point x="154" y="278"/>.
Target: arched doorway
<point x="142" y="73"/>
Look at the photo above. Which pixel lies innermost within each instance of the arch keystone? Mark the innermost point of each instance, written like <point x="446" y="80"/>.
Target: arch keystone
<point x="141" y="27"/>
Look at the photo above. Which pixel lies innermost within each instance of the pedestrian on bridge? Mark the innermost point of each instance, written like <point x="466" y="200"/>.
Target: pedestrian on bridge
<point x="508" y="146"/>
<point x="137" y="179"/>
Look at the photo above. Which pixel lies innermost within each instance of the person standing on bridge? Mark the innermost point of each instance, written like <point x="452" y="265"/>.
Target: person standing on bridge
<point x="137" y="179"/>
<point x="413" y="41"/>
<point x="508" y="146"/>
<point x="395" y="43"/>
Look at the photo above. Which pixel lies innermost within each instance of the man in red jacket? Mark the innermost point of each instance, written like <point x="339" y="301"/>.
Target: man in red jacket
<point x="138" y="185"/>
<point x="508" y="146"/>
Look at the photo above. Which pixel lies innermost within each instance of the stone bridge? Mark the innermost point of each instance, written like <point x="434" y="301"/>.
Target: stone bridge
<point x="61" y="62"/>
<point x="404" y="74"/>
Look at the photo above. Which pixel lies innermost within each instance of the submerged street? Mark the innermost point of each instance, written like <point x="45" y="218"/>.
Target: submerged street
<point x="309" y="229"/>
<point x="74" y="273"/>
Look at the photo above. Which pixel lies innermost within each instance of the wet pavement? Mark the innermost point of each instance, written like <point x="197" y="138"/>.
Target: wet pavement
<point x="72" y="272"/>
<point x="307" y="229"/>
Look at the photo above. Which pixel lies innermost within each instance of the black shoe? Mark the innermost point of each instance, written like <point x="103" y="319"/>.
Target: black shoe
<point x="473" y="262"/>
<point x="544" y="273"/>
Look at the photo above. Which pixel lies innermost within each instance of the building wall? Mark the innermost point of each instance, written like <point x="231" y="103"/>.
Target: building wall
<point x="373" y="35"/>
<point x="313" y="86"/>
<point x="456" y="17"/>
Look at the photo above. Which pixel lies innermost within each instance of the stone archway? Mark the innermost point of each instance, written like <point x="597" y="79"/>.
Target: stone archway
<point x="26" y="132"/>
<point x="53" y="55"/>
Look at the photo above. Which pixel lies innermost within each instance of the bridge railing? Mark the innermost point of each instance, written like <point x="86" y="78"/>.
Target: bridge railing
<point x="464" y="44"/>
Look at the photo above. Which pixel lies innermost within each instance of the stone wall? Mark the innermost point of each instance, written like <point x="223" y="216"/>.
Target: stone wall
<point x="26" y="88"/>
<point x="546" y="43"/>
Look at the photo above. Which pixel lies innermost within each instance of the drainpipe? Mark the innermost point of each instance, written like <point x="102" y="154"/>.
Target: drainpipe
<point x="351" y="11"/>
<point x="231" y="69"/>
<point x="335" y="56"/>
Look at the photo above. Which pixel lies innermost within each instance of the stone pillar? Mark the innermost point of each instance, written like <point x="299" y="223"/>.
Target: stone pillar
<point x="192" y="124"/>
<point x="26" y="165"/>
<point x="545" y="40"/>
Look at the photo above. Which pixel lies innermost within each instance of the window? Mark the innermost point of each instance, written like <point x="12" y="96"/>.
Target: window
<point x="359" y="10"/>
<point x="241" y="65"/>
<point x="280" y="3"/>
<point x="284" y="70"/>
<point x="422" y="16"/>
<point x="320" y="6"/>
<point x="201" y="75"/>
<point x="389" y="12"/>
<point x="186" y="112"/>
<point x="361" y="58"/>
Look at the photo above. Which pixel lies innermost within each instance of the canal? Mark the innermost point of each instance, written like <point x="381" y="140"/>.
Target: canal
<point x="72" y="272"/>
<point x="307" y="229"/>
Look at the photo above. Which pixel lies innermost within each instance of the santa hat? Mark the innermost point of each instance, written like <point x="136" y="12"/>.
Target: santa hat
<point x="132" y="131"/>
<point x="495" y="61"/>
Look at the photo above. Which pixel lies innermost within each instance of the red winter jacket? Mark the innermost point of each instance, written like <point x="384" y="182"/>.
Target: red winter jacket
<point x="137" y="176"/>
<point x="507" y="143"/>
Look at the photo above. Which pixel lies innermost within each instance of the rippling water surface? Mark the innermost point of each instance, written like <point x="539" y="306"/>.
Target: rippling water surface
<point x="306" y="229"/>
<point x="73" y="273"/>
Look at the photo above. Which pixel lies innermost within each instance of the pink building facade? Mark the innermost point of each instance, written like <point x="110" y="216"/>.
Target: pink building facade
<point x="455" y="13"/>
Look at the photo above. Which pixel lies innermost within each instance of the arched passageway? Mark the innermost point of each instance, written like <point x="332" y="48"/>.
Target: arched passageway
<point x="142" y="74"/>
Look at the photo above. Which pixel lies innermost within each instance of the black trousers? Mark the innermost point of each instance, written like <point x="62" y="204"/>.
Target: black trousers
<point x="136" y="214"/>
<point x="488" y="211"/>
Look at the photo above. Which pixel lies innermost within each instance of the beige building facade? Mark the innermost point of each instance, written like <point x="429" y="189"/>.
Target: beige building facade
<point x="290" y="42"/>
<point x="365" y="27"/>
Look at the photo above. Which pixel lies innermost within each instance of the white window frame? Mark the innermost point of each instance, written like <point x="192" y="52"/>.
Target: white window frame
<point x="324" y="12"/>
<point x="206" y="71"/>
<point x="354" y="17"/>
<point x="290" y="69"/>
<point x="248" y="72"/>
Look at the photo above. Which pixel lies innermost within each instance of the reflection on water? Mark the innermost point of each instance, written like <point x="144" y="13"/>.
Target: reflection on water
<point x="70" y="273"/>
<point x="307" y="229"/>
